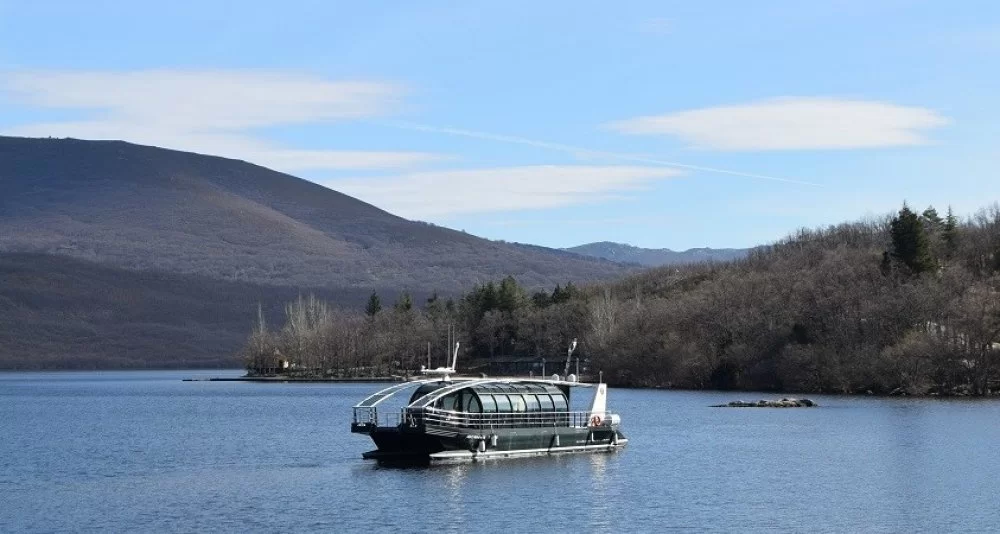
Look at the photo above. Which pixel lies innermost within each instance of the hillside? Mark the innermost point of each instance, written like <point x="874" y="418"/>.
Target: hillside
<point x="655" y="257"/>
<point x="905" y="304"/>
<point x="140" y="207"/>
<point x="120" y="255"/>
<point x="58" y="312"/>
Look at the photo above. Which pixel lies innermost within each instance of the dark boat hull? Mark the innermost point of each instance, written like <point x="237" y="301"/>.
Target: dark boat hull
<point x="440" y="444"/>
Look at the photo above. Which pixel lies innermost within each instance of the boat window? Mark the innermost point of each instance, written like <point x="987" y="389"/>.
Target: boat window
<point x="546" y="403"/>
<point x="489" y="405"/>
<point x="425" y="389"/>
<point x="531" y="403"/>
<point x="560" y="403"/>
<point x="517" y="403"/>
<point x="503" y="403"/>
<point x="473" y="406"/>
<point x="447" y="402"/>
<point x="463" y="401"/>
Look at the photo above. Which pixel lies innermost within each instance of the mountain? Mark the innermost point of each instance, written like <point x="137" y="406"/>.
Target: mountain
<point x="140" y="207"/>
<point x="120" y="255"/>
<point x="60" y="312"/>
<point x="655" y="257"/>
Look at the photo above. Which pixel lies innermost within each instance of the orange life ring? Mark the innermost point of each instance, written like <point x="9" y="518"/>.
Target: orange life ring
<point x="595" y="420"/>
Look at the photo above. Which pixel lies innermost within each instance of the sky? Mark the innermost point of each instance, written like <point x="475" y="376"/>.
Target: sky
<point x="658" y="124"/>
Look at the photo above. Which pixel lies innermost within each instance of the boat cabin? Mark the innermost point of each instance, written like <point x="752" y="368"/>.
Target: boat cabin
<point x="491" y="404"/>
<point x="498" y="398"/>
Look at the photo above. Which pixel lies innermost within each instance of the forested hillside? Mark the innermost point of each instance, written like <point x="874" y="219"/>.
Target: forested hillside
<point x="908" y="303"/>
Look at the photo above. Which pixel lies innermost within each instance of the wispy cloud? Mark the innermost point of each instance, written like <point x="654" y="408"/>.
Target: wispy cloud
<point x="586" y="152"/>
<point x="439" y="194"/>
<point x="792" y="123"/>
<point x="211" y="111"/>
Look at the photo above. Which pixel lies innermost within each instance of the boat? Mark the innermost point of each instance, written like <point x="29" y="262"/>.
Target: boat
<point x="457" y="419"/>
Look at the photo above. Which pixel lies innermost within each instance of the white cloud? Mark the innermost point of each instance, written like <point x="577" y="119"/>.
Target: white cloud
<point x="440" y="194"/>
<point x="209" y="111"/>
<point x="586" y="153"/>
<point x="792" y="123"/>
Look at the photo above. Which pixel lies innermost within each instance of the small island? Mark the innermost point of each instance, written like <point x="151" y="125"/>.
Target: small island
<point x="780" y="403"/>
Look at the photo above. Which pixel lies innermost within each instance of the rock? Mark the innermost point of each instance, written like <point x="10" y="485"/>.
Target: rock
<point x="782" y="403"/>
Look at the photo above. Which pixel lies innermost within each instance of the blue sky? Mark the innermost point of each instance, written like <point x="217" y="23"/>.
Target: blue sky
<point x="551" y="123"/>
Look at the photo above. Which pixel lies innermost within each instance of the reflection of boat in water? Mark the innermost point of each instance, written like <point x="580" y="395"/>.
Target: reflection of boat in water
<point x="455" y="419"/>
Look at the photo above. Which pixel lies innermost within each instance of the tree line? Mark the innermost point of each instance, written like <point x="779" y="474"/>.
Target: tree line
<point x="906" y="303"/>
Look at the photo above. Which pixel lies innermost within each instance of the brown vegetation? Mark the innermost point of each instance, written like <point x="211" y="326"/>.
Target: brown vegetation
<point x="903" y="304"/>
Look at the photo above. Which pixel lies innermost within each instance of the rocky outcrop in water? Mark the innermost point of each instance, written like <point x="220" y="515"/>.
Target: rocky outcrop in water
<point x="783" y="403"/>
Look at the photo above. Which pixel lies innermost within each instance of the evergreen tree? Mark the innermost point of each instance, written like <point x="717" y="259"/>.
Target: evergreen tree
<point x="374" y="305"/>
<point x="909" y="241"/>
<point x="558" y="295"/>
<point x="564" y="294"/>
<point x="404" y="303"/>
<point x="510" y="296"/>
<point x="541" y="299"/>
<point x="949" y="234"/>
<point x="931" y="219"/>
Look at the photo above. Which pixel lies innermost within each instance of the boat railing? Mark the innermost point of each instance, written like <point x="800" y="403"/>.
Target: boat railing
<point x="370" y="416"/>
<point x="448" y="418"/>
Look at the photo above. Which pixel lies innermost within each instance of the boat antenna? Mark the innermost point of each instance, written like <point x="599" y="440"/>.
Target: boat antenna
<point x="569" y="355"/>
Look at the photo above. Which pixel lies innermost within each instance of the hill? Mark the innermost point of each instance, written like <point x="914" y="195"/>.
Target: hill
<point x="656" y="257"/>
<point x="140" y="207"/>
<point x="57" y="313"/>
<point x="120" y="255"/>
<point x="905" y="304"/>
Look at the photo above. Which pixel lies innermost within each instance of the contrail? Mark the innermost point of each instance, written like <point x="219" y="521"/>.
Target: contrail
<point x="579" y="150"/>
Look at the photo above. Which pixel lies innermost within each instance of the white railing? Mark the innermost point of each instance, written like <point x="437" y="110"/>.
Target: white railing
<point x="438" y="417"/>
<point x="370" y="416"/>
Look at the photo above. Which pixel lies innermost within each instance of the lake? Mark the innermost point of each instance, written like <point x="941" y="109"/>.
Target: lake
<point x="144" y="451"/>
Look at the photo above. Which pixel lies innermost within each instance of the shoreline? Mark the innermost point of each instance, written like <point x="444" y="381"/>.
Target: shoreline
<point x="390" y="379"/>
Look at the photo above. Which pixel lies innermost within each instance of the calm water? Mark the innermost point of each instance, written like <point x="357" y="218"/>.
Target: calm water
<point x="143" y="451"/>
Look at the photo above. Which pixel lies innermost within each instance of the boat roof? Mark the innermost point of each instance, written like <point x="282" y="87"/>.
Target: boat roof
<point x="510" y="380"/>
<point x="499" y="385"/>
<point x="455" y="383"/>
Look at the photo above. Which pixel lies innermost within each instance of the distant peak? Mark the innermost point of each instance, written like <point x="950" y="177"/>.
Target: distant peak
<point x="625" y="253"/>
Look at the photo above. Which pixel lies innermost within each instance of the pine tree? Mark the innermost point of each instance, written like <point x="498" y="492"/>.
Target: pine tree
<point x="510" y="295"/>
<point x="909" y="241"/>
<point x="541" y="299"/>
<point x="374" y="305"/>
<point x="931" y="219"/>
<point x="404" y="303"/>
<point x="949" y="234"/>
